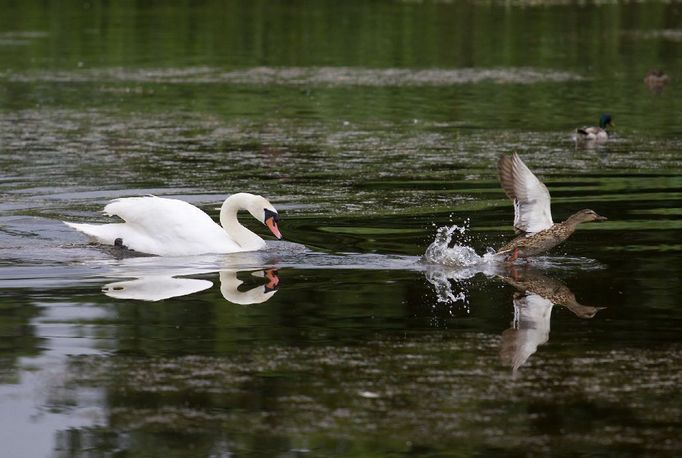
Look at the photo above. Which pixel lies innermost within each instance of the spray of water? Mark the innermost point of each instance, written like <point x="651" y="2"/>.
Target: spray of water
<point x="455" y="253"/>
<point x="452" y="262"/>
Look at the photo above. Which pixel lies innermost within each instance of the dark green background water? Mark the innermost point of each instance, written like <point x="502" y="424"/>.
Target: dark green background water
<point x="368" y="125"/>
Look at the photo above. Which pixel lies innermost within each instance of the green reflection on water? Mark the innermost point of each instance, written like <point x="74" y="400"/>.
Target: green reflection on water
<point x="382" y="122"/>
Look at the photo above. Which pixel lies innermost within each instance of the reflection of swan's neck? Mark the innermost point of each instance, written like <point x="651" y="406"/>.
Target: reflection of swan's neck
<point x="246" y="239"/>
<point x="228" y="287"/>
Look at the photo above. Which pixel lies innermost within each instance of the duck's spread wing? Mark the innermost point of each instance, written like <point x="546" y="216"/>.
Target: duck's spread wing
<point x="532" y="211"/>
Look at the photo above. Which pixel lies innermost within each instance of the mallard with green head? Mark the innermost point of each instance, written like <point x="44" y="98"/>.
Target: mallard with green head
<point x="532" y="212"/>
<point x="595" y="133"/>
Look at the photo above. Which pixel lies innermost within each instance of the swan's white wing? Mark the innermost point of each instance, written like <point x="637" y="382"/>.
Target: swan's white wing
<point x="532" y="211"/>
<point x="169" y="227"/>
<point x="157" y="213"/>
<point x="166" y="227"/>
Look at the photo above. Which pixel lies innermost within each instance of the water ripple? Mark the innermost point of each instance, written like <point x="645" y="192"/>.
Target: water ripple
<point x="305" y="76"/>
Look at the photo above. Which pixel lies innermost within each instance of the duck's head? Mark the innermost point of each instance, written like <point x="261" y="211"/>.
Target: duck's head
<point x="605" y="121"/>
<point x="585" y="216"/>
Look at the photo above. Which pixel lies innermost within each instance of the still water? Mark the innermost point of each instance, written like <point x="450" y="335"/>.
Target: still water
<point x="374" y="128"/>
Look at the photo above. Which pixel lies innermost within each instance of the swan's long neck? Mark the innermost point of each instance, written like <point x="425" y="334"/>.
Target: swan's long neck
<point x="229" y="284"/>
<point x="246" y="239"/>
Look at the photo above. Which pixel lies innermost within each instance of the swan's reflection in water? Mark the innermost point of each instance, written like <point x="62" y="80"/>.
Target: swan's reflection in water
<point x="534" y="299"/>
<point x="165" y="286"/>
<point x="229" y="287"/>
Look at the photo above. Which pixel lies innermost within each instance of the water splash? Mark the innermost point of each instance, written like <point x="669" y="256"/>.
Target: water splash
<point x="440" y="280"/>
<point x="460" y="254"/>
<point x="453" y="262"/>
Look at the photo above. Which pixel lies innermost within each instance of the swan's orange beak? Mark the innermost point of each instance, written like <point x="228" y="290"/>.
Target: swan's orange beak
<point x="273" y="280"/>
<point x="272" y="225"/>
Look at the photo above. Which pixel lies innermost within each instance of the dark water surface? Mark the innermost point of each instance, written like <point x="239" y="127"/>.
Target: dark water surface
<point x="369" y="125"/>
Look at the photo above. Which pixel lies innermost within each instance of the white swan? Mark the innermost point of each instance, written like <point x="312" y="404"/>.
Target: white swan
<point x="171" y="227"/>
<point x="161" y="286"/>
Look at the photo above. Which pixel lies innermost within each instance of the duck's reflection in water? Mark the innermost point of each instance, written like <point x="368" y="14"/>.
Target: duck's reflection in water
<point x="165" y="286"/>
<point x="534" y="299"/>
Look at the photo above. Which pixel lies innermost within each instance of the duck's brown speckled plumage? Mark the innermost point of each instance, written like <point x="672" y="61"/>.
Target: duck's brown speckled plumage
<point x="539" y="242"/>
<point x="531" y="200"/>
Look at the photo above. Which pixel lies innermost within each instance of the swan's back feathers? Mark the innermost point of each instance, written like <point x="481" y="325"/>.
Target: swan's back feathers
<point x="160" y="226"/>
<point x="104" y="233"/>
<point x="154" y="210"/>
<point x="531" y="198"/>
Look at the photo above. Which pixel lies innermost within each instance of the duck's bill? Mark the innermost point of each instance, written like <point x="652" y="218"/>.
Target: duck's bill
<point x="272" y="225"/>
<point x="602" y="218"/>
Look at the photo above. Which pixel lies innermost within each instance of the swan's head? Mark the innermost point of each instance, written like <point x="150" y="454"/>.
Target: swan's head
<point x="271" y="221"/>
<point x="263" y="211"/>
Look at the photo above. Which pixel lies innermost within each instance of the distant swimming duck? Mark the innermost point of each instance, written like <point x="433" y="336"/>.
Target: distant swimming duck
<point x="532" y="212"/>
<point x="656" y="80"/>
<point x="596" y="133"/>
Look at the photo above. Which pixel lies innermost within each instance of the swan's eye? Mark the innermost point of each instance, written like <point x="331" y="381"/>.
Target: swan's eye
<point x="270" y="214"/>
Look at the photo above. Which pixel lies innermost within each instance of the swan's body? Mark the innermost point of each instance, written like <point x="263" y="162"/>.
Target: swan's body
<point x="171" y="227"/>
<point x="532" y="212"/>
<point x="598" y="134"/>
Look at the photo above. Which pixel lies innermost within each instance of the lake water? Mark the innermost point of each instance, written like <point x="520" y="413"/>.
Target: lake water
<point x="374" y="128"/>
